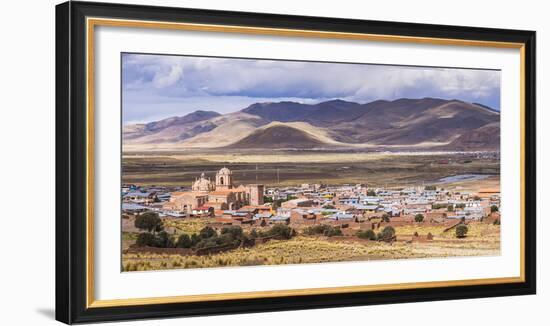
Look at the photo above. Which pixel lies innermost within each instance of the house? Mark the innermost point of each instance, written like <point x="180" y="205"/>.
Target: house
<point x="140" y="197"/>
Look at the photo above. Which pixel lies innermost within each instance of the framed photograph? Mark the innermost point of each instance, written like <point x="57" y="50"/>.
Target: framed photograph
<point x="212" y="162"/>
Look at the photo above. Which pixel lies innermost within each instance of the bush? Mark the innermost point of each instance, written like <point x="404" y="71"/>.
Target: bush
<point x="145" y="239"/>
<point x="494" y="208"/>
<point x="328" y="206"/>
<point x="149" y="221"/>
<point x="235" y="231"/>
<point x="461" y="231"/>
<point x="333" y="232"/>
<point x="387" y="233"/>
<point x="195" y="239"/>
<point x="429" y="188"/>
<point x="366" y="234"/>
<point x="163" y="240"/>
<point x="419" y="218"/>
<point x="385" y="218"/>
<point x="323" y="229"/>
<point x="184" y="241"/>
<point x="450" y="208"/>
<point x="207" y="232"/>
<point x="280" y="231"/>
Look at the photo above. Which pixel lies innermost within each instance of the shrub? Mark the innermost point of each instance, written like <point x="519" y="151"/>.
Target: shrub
<point x="332" y="232"/>
<point x="195" y="239"/>
<point x="450" y="208"/>
<point x="461" y="231"/>
<point x="323" y="229"/>
<point x="207" y="232"/>
<point x="419" y="218"/>
<point x="430" y="236"/>
<point x="145" y="239"/>
<point x="496" y="222"/>
<point x="371" y="193"/>
<point x="494" y="208"/>
<point x="317" y="229"/>
<point x="429" y="188"/>
<point x="163" y="240"/>
<point x="149" y="221"/>
<point x="235" y="231"/>
<point x="280" y="231"/>
<point x="184" y="241"/>
<point x="385" y="218"/>
<point x="387" y="233"/>
<point x="328" y="206"/>
<point x="366" y="234"/>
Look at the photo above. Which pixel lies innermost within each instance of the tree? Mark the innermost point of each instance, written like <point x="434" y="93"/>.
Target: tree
<point x="429" y="188"/>
<point x="450" y="208"/>
<point x="494" y="208"/>
<point x="184" y="241"/>
<point x="163" y="240"/>
<point x="419" y="218"/>
<point x="371" y="193"/>
<point x="149" y="221"/>
<point x="207" y="232"/>
<point x="195" y="239"/>
<point x="461" y="230"/>
<point x="366" y="234"/>
<point x="387" y="233"/>
<point x="328" y="206"/>
<point x="145" y="239"/>
<point x="385" y="218"/>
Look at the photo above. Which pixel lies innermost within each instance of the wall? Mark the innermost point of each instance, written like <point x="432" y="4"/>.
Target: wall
<point x="27" y="160"/>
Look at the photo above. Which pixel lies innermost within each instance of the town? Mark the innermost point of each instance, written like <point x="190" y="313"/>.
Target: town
<point x="347" y="213"/>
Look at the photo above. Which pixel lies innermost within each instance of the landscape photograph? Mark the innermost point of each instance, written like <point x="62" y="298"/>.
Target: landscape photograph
<point x="244" y="162"/>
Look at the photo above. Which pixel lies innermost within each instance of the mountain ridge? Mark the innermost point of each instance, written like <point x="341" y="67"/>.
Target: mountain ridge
<point x="430" y="123"/>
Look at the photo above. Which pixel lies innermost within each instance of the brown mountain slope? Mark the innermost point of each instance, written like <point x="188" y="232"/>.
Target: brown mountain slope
<point x="277" y="137"/>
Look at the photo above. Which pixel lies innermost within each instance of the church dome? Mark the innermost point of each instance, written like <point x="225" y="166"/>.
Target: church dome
<point x="224" y="170"/>
<point x="202" y="184"/>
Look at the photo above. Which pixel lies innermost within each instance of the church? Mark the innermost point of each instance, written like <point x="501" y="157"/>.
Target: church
<point x="219" y="195"/>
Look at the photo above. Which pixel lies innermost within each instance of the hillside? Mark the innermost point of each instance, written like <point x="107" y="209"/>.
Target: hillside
<point x="426" y="123"/>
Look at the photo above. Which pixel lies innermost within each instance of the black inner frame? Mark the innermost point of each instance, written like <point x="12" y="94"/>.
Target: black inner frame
<point x="71" y="162"/>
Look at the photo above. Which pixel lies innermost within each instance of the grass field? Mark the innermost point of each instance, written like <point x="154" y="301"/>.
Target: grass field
<point x="483" y="240"/>
<point x="286" y="169"/>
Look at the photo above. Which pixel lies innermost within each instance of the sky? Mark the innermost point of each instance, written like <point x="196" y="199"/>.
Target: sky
<point x="155" y="87"/>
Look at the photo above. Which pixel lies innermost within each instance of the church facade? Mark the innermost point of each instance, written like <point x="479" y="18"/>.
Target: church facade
<point x="220" y="194"/>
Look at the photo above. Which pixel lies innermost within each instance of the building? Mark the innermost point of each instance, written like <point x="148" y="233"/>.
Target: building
<point x="202" y="184"/>
<point x="220" y="195"/>
<point x="224" y="179"/>
<point x="140" y="197"/>
<point x="186" y="201"/>
<point x="256" y="194"/>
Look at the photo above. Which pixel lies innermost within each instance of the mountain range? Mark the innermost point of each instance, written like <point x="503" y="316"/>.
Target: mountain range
<point x="403" y="124"/>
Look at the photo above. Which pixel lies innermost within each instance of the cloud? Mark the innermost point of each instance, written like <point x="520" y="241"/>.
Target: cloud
<point x="180" y="78"/>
